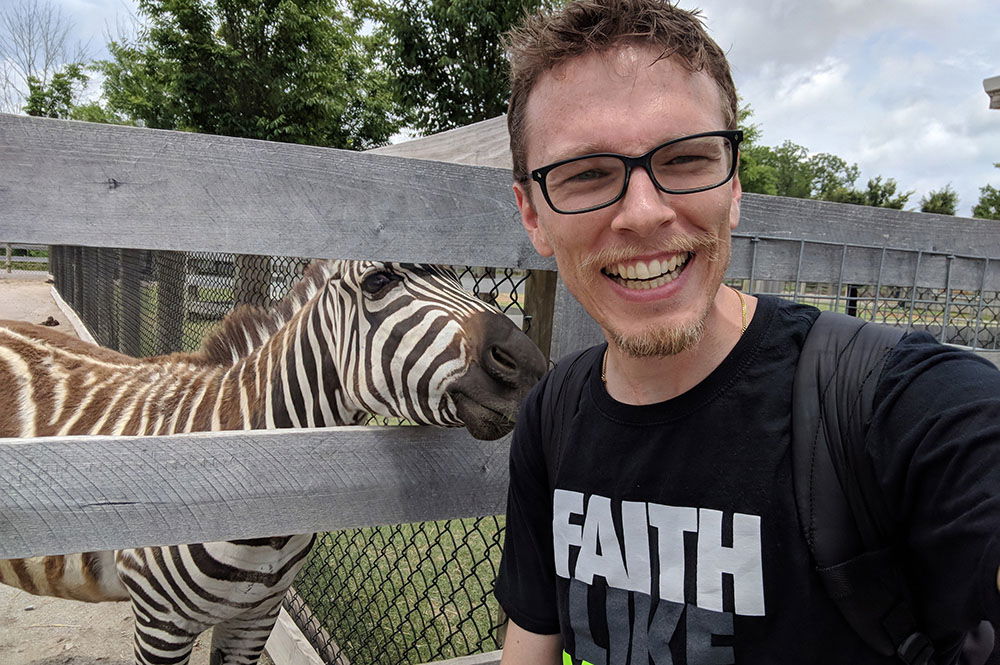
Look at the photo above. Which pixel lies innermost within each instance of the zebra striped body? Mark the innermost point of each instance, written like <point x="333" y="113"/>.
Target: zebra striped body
<point x="352" y="338"/>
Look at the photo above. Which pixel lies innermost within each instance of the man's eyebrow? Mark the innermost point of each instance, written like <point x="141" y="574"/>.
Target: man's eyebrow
<point x="580" y="150"/>
<point x="595" y="147"/>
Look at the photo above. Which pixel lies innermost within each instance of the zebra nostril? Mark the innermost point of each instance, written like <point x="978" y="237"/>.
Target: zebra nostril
<point x="502" y="358"/>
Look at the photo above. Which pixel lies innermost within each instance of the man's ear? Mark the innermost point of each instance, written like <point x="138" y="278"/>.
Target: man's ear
<point x="734" y="208"/>
<point x="529" y="219"/>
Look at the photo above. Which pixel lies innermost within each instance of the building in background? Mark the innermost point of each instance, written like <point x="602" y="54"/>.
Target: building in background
<point x="992" y="86"/>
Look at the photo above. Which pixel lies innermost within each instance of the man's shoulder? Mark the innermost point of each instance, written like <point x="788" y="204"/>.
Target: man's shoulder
<point x="775" y="305"/>
<point x="919" y="354"/>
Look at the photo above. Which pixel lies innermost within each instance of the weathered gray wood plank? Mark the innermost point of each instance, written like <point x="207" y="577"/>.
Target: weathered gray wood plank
<point x="821" y="221"/>
<point x="774" y="258"/>
<point x="572" y="327"/>
<point x="67" y="182"/>
<point x="73" y="494"/>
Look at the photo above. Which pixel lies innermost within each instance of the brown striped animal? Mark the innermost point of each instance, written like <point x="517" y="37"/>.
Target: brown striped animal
<point x="352" y="338"/>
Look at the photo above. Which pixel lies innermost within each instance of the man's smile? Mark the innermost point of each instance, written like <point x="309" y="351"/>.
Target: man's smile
<point x="643" y="275"/>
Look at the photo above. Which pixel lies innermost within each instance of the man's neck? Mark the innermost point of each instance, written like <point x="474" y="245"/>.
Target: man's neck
<point x="650" y="380"/>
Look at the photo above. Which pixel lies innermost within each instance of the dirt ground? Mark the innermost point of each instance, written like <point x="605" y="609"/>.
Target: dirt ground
<point x="49" y="631"/>
<point x="24" y="296"/>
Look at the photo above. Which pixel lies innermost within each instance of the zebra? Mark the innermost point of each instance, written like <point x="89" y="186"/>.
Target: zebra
<point x="352" y="338"/>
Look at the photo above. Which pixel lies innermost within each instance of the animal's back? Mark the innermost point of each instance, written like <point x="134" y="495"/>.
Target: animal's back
<point x="52" y="384"/>
<point x="25" y="349"/>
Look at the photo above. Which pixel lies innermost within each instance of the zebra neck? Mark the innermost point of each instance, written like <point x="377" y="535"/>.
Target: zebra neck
<point x="300" y="383"/>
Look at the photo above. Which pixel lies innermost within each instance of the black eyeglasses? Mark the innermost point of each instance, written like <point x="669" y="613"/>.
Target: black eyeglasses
<point x="682" y="166"/>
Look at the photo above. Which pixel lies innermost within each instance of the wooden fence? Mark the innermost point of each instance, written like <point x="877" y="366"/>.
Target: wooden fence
<point x="69" y="183"/>
<point x="8" y="258"/>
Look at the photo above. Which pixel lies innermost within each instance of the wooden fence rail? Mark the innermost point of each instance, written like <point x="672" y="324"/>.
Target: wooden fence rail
<point x="68" y="183"/>
<point x="80" y="494"/>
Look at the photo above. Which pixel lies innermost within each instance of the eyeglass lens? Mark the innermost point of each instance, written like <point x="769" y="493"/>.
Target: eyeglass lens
<point x="691" y="164"/>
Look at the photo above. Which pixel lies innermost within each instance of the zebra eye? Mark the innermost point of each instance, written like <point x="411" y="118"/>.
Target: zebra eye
<point x="377" y="283"/>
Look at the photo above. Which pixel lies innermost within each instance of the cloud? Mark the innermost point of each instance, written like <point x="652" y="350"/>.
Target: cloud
<point x="820" y="86"/>
<point x="895" y="86"/>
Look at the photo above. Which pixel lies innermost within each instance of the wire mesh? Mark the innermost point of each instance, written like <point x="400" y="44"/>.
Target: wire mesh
<point x="417" y="593"/>
<point x="408" y="593"/>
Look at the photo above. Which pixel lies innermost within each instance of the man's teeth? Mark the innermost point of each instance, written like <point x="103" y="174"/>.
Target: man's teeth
<point x="648" y="274"/>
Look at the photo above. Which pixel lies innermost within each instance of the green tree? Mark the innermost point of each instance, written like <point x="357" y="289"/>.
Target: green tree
<point x="282" y="70"/>
<point x="879" y="194"/>
<point x="60" y="97"/>
<point x="882" y="194"/>
<point x="832" y="174"/>
<point x="940" y="201"/>
<point x="57" y="97"/>
<point x="446" y="57"/>
<point x="789" y="170"/>
<point x="755" y="175"/>
<point x="988" y="206"/>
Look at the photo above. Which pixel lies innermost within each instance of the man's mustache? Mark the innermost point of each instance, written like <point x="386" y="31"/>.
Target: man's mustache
<point x="705" y="244"/>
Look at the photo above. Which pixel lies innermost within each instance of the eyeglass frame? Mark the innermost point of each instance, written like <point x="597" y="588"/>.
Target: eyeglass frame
<point x="734" y="136"/>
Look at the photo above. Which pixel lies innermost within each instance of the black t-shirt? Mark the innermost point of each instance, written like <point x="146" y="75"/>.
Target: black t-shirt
<point x="673" y="526"/>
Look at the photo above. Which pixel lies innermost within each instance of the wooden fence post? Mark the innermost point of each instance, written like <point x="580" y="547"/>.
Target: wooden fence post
<point x="128" y="302"/>
<point x="76" y="297"/>
<point x="103" y="286"/>
<point x="539" y="305"/>
<point x="8" y="256"/>
<point x="170" y="312"/>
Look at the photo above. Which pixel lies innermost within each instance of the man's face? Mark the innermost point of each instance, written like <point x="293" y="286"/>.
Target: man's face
<point x="619" y="102"/>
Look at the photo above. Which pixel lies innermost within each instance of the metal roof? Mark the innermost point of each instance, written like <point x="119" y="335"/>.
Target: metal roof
<point x="483" y="143"/>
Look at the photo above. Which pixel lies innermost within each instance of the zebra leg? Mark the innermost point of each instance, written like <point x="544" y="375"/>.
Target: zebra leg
<point x="240" y="640"/>
<point x="158" y="642"/>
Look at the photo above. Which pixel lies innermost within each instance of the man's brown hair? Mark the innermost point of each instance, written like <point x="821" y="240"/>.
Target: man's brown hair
<point x="543" y="41"/>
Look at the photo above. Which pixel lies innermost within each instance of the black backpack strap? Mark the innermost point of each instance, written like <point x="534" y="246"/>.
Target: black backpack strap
<point x="560" y="402"/>
<point x="842" y="512"/>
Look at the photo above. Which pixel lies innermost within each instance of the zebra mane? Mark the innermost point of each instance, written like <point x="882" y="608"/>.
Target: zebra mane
<point x="248" y="327"/>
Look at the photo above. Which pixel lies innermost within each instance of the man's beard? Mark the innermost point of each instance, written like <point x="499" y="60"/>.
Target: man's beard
<point x="664" y="340"/>
<point x="660" y="341"/>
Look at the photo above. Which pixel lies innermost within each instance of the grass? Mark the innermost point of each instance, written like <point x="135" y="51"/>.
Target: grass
<point x="409" y="593"/>
<point x="22" y="265"/>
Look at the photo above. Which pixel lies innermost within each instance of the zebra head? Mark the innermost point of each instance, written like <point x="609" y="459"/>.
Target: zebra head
<point x="417" y="345"/>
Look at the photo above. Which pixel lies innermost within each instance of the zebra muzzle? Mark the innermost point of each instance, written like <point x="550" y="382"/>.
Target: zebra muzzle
<point x="505" y="365"/>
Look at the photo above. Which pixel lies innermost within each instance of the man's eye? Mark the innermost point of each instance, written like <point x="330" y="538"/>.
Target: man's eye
<point x="680" y="160"/>
<point x="588" y="175"/>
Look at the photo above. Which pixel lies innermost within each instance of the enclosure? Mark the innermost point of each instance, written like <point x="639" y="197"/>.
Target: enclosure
<point x="154" y="235"/>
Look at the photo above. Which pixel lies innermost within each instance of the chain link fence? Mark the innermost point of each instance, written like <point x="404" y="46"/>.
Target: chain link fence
<point x="417" y="593"/>
<point x="408" y="593"/>
<point x="955" y="298"/>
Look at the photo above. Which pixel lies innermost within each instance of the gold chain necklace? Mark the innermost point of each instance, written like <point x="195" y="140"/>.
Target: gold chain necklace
<point x="743" y="329"/>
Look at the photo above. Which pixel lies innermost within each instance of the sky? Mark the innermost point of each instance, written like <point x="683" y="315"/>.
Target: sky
<point x="895" y="86"/>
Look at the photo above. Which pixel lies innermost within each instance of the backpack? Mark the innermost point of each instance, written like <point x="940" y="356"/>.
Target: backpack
<point x="842" y="513"/>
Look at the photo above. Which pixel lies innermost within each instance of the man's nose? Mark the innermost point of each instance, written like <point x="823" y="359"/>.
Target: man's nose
<point x="644" y="208"/>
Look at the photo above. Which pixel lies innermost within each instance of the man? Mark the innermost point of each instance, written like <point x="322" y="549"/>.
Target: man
<point x="668" y="531"/>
